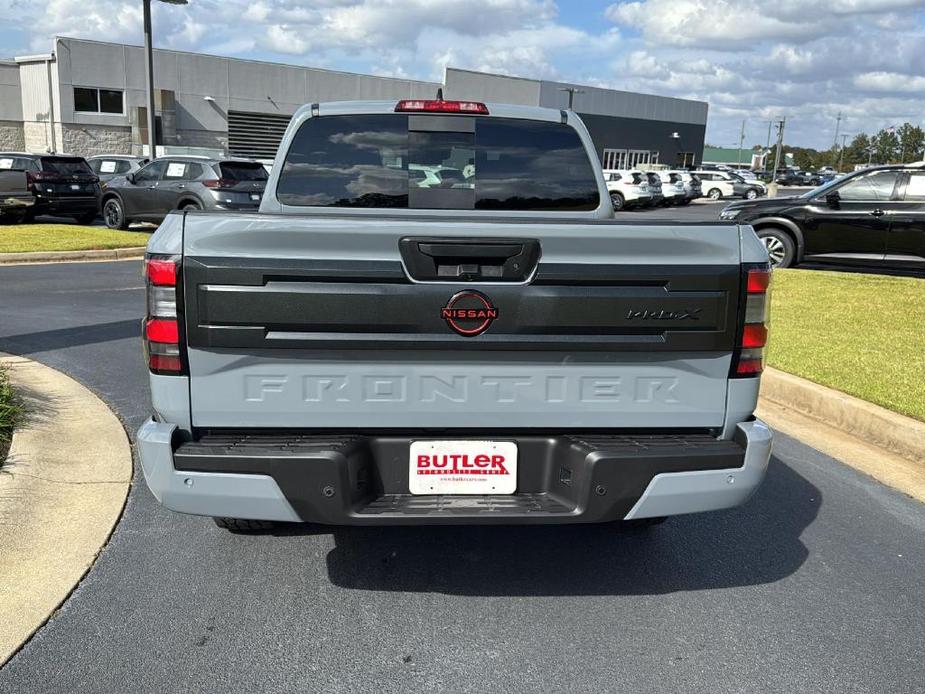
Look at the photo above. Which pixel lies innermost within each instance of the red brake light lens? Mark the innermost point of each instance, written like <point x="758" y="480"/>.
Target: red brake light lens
<point x="749" y="359"/>
<point x="220" y="183"/>
<point x="161" y="330"/>
<point x="754" y="335"/>
<point x="165" y="363"/>
<point x="758" y="281"/>
<point x="161" y="272"/>
<point x="750" y="367"/>
<point x="438" y="106"/>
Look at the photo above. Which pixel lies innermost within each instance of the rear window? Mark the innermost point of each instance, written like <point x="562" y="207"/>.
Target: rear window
<point x="243" y="171"/>
<point x="437" y="162"/>
<point x="66" y="166"/>
<point x="16" y="164"/>
<point x="110" y="166"/>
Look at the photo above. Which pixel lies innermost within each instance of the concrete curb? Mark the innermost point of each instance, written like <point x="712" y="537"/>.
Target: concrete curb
<point x="71" y="256"/>
<point x="896" y="433"/>
<point x="62" y="490"/>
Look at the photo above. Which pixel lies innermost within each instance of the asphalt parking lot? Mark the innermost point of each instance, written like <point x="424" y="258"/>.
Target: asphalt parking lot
<point x="813" y="586"/>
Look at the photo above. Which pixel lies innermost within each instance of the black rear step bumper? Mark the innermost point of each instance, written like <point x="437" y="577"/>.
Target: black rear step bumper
<point x="363" y="480"/>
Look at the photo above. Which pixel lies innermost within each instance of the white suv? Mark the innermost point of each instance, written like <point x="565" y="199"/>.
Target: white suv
<point x="672" y="186"/>
<point x="724" y="184"/>
<point x="628" y="188"/>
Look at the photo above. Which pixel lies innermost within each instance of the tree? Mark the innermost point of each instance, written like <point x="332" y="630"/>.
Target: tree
<point x="886" y="146"/>
<point x="911" y="142"/>
<point x="856" y="152"/>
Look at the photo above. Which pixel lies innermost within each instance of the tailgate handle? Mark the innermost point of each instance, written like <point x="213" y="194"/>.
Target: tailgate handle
<point x="469" y="260"/>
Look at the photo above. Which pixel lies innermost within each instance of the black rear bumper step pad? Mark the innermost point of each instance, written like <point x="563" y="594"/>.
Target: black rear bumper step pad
<point x="363" y="480"/>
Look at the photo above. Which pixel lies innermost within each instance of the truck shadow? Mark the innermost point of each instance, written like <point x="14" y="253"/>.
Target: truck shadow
<point x="755" y="544"/>
<point x="61" y="338"/>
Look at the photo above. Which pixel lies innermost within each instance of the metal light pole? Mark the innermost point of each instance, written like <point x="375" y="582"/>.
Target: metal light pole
<point x="780" y="143"/>
<point x="741" y="142"/>
<point x="837" y="124"/>
<point x="149" y="73"/>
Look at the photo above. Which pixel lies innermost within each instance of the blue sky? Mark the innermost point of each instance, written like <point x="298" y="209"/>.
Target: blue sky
<point x="752" y="60"/>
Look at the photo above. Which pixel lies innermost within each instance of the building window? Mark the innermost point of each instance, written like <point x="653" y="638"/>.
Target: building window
<point x="614" y="159"/>
<point x="93" y="100"/>
<point x="628" y="158"/>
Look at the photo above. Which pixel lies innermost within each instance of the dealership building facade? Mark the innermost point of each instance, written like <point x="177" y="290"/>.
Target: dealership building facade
<point x="88" y="97"/>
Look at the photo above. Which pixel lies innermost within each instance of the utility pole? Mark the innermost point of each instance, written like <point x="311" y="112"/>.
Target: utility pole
<point x="780" y="143"/>
<point x="835" y="141"/>
<point x="572" y="91"/>
<point x="837" y="124"/>
<point x="770" y="123"/>
<point x="741" y="141"/>
<point x="841" y="153"/>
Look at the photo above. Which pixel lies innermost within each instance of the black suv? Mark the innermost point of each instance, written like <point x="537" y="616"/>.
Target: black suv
<point x="875" y="216"/>
<point x="60" y="185"/>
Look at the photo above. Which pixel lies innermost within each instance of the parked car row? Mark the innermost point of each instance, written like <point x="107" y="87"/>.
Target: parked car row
<point x="795" y="177"/>
<point x="123" y="188"/>
<point x="632" y="188"/>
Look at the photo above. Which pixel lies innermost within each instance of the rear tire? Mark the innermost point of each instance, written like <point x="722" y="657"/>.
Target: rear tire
<point x="114" y="214"/>
<point x="190" y="207"/>
<point x="751" y="194"/>
<point x="618" y="201"/>
<point x="715" y="194"/>
<point x="782" y="251"/>
<point x="244" y="525"/>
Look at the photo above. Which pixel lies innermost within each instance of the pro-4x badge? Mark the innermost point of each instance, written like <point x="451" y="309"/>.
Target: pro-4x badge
<point x="469" y="313"/>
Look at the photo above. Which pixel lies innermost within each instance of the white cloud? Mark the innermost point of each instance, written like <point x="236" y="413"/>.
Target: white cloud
<point x="751" y="59"/>
<point x="730" y="24"/>
<point x="760" y="61"/>
<point x="890" y="82"/>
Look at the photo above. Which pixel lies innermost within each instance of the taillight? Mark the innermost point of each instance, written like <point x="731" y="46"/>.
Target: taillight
<point x="754" y="334"/>
<point x="162" y="328"/>
<point x="220" y="183"/>
<point x="39" y="176"/>
<point x="440" y="106"/>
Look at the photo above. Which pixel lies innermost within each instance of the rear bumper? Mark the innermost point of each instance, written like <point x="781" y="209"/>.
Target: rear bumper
<point x="360" y="480"/>
<point x="67" y="204"/>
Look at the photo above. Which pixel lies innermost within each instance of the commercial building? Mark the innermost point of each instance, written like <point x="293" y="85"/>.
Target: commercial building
<point x="737" y="158"/>
<point x="88" y="97"/>
<point x="629" y="129"/>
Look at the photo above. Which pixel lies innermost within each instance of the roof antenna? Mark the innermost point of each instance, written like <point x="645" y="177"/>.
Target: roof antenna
<point x="439" y="93"/>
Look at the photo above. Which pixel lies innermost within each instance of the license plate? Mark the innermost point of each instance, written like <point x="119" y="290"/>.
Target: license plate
<point x="463" y="467"/>
<point x="255" y="196"/>
<point x="75" y="186"/>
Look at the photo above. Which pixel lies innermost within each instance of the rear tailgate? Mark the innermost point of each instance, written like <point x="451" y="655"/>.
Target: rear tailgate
<point x="66" y="177"/>
<point x="13" y="188"/>
<point x="314" y="322"/>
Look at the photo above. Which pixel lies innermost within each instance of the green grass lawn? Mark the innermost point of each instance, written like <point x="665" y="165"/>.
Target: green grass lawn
<point x="860" y="334"/>
<point x="25" y="238"/>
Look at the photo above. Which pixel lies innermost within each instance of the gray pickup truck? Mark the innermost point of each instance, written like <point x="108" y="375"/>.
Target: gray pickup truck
<point x="435" y="318"/>
<point x="15" y="197"/>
